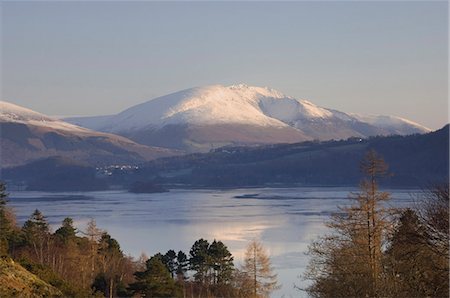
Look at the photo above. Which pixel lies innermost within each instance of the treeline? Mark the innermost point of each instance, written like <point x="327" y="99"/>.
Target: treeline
<point x="377" y="251"/>
<point x="91" y="263"/>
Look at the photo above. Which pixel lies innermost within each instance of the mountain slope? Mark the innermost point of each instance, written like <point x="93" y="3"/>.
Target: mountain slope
<point x="414" y="160"/>
<point x="16" y="281"/>
<point x="27" y="135"/>
<point x="201" y="118"/>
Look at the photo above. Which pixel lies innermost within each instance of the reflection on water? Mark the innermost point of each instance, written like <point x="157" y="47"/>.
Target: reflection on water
<point x="285" y="219"/>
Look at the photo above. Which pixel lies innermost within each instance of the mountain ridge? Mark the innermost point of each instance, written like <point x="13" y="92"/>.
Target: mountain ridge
<point x="27" y="135"/>
<point x="224" y="110"/>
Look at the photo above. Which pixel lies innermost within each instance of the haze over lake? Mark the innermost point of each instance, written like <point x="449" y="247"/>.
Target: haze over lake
<point x="285" y="219"/>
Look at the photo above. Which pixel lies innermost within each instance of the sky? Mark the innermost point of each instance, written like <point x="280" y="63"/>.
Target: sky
<point x="97" y="58"/>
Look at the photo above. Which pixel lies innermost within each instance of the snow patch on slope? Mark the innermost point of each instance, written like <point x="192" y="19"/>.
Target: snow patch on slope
<point x="215" y="104"/>
<point x="13" y="113"/>
<point x="238" y="104"/>
<point x="260" y="107"/>
<point x="389" y="122"/>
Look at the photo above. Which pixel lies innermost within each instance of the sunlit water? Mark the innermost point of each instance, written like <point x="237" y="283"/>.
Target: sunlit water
<point x="284" y="219"/>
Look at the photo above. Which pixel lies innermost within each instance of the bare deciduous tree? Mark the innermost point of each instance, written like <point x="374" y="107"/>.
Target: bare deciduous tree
<point x="258" y="270"/>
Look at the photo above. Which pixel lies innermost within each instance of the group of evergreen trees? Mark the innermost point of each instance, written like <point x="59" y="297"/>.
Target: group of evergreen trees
<point x="377" y="251"/>
<point x="214" y="273"/>
<point x="91" y="263"/>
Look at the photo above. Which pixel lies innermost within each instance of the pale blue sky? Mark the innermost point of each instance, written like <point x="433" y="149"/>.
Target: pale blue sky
<point x="84" y="58"/>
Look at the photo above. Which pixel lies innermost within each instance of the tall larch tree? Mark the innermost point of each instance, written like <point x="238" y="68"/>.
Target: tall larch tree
<point x="258" y="270"/>
<point x="348" y="261"/>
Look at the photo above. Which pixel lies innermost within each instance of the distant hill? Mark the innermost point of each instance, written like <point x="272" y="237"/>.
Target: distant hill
<point x="16" y="281"/>
<point x="414" y="160"/>
<point x="54" y="174"/>
<point x="201" y="118"/>
<point x="27" y="135"/>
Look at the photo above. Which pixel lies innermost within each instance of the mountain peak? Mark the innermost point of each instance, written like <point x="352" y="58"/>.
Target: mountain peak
<point x="219" y="115"/>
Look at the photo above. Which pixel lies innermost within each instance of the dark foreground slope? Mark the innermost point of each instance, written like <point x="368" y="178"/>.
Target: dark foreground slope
<point x="16" y="281"/>
<point x="414" y="160"/>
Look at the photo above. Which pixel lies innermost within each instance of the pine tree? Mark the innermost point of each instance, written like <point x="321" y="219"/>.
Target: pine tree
<point x="198" y="260"/>
<point x="221" y="262"/>
<point x="155" y="281"/>
<point x="169" y="259"/>
<point x="67" y="231"/>
<point x="37" y="234"/>
<point x="182" y="266"/>
<point x="258" y="269"/>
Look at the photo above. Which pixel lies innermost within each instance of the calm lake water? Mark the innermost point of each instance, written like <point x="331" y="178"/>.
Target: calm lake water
<point x="284" y="219"/>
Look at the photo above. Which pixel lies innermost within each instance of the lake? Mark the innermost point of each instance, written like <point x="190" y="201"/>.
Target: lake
<point x="284" y="219"/>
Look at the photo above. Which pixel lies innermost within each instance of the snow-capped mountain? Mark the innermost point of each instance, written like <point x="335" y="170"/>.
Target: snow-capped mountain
<point x="395" y="125"/>
<point x="200" y="118"/>
<point x="27" y="135"/>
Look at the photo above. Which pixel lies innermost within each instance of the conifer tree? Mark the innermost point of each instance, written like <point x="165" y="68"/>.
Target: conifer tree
<point x="348" y="262"/>
<point x="259" y="271"/>
<point x="198" y="260"/>
<point x="169" y="259"/>
<point x="182" y="266"/>
<point x="37" y="234"/>
<point x="67" y="231"/>
<point x="155" y="281"/>
<point x="221" y="262"/>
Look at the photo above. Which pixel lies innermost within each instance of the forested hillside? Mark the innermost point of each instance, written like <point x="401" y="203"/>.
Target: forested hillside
<point x="415" y="161"/>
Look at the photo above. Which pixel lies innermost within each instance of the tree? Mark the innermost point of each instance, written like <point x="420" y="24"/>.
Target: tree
<point x="182" y="266"/>
<point x="258" y="270"/>
<point x="348" y="262"/>
<point x="65" y="254"/>
<point x="407" y="257"/>
<point x="155" y="281"/>
<point x="221" y="263"/>
<point x="110" y="259"/>
<point x="67" y="231"/>
<point x="94" y="234"/>
<point x="432" y="251"/>
<point x="37" y="234"/>
<point x="5" y="223"/>
<point x="434" y="216"/>
<point x="198" y="260"/>
<point x="433" y="212"/>
<point x="169" y="259"/>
